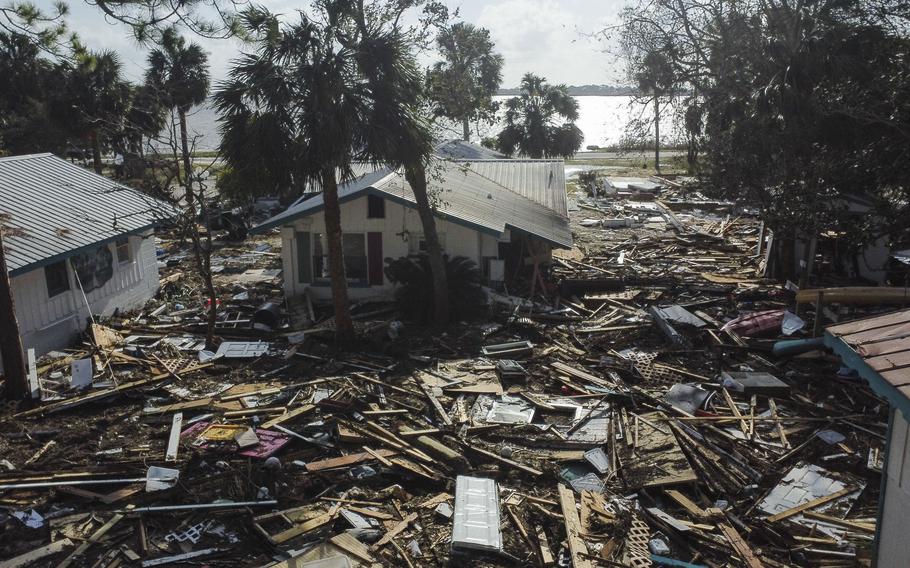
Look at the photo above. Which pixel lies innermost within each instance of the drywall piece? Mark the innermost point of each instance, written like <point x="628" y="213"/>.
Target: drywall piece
<point x="81" y="373"/>
<point x="476" y="523"/>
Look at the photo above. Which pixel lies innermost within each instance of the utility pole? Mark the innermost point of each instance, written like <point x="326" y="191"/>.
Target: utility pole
<point x="10" y="340"/>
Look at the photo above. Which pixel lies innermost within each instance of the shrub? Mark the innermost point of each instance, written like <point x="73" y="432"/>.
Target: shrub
<point x="415" y="287"/>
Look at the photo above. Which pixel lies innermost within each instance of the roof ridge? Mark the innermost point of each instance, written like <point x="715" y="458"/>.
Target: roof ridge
<point x="26" y="157"/>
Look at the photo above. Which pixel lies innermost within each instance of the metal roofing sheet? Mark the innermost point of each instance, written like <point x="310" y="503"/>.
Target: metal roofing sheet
<point x="51" y="208"/>
<point x="541" y="181"/>
<point x="461" y="150"/>
<point x="464" y="196"/>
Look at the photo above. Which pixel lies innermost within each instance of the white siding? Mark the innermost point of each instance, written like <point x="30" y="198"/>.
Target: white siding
<point x="52" y="323"/>
<point x="892" y="547"/>
<point x="399" y="221"/>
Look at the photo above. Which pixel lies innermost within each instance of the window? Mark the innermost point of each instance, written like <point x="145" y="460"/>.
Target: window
<point x="375" y="207"/>
<point x="123" y="250"/>
<point x="57" y="279"/>
<point x="354" y="248"/>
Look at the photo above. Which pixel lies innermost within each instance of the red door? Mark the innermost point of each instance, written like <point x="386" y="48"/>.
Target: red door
<point x="374" y="258"/>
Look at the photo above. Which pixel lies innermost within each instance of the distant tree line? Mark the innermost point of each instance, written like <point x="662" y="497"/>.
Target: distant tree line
<point x="584" y="91"/>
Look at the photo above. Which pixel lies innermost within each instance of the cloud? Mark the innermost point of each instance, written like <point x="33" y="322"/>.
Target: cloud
<point x="550" y="39"/>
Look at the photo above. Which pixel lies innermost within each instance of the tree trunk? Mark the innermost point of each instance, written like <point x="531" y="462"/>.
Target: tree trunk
<point x="344" y="326"/>
<point x="657" y="134"/>
<point x="202" y="252"/>
<point x="417" y="178"/>
<point x="187" y="165"/>
<point x="466" y="130"/>
<point x="96" y="151"/>
<point x="10" y="341"/>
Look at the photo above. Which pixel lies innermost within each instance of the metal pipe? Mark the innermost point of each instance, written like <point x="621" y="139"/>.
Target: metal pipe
<point x="199" y="506"/>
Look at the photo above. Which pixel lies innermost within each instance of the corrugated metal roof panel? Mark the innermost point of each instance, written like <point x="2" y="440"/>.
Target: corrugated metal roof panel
<point x="464" y="197"/>
<point x="541" y="181"/>
<point x="51" y="208"/>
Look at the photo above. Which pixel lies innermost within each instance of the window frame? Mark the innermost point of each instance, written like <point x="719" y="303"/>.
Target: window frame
<point x="65" y="278"/>
<point x="320" y="266"/>
<point x="375" y="202"/>
<point x="125" y="244"/>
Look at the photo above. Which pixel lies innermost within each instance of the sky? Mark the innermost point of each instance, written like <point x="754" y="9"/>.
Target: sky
<point x="548" y="37"/>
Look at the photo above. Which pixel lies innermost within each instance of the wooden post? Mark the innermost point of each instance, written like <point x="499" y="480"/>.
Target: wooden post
<point x="819" y="315"/>
<point x="10" y="340"/>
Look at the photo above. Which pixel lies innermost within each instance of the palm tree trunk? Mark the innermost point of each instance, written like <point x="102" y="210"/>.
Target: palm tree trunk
<point x="96" y="150"/>
<point x="10" y="340"/>
<point x="656" y="134"/>
<point x="185" y="148"/>
<point x="417" y="178"/>
<point x="344" y="326"/>
<point x="466" y="130"/>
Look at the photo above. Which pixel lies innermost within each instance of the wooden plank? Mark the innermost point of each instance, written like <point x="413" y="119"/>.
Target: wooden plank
<point x="580" y="374"/>
<point x="862" y="527"/>
<point x="371" y="513"/>
<point x="499" y="458"/>
<point x="34" y="386"/>
<point x="306" y="408"/>
<point x="577" y="547"/>
<point x="96" y="536"/>
<point x="523" y="532"/>
<point x="741" y="547"/>
<point x="686" y="504"/>
<point x="347" y="460"/>
<point x="437" y="406"/>
<point x="546" y="555"/>
<point x="869" y="323"/>
<point x="378" y="456"/>
<point x="30" y="558"/>
<point x="173" y="443"/>
<point x="302" y="528"/>
<point x="394" y="531"/>
<point x="353" y="546"/>
<point x="809" y="505"/>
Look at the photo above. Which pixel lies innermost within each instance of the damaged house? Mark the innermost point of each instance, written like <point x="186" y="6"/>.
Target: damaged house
<point x="502" y="214"/>
<point x="76" y="244"/>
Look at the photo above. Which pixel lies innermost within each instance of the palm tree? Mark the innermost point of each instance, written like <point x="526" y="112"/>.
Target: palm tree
<point x="315" y="97"/>
<point x="655" y="79"/>
<point x="407" y="143"/>
<point x="540" y="122"/>
<point x="95" y="99"/>
<point x="463" y="84"/>
<point x="179" y="74"/>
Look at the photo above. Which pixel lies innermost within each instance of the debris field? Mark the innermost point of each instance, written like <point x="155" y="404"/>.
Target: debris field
<point x="631" y="413"/>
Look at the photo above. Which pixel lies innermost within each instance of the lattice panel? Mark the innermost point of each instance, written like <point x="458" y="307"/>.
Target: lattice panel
<point x="644" y="365"/>
<point x="637" y="554"/>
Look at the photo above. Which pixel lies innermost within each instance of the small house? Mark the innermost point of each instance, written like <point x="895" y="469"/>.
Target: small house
<point x="502" y="214"/>
<point x="76" y="243"/>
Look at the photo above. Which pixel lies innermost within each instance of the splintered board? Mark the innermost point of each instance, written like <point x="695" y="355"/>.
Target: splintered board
<point x="657" y="459"/>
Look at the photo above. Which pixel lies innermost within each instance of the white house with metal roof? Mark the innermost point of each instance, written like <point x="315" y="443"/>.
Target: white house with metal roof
<point x="502" y="214"/>
<point x="76" y="243"/>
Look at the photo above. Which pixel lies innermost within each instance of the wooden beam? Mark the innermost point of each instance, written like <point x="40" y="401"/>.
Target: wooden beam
<point x="31" y="558"/>
<point x="394" y="531"/>
<point x="288" y="416"/>
<point x="347" y="460"/>
<point x="577" y="547"/>
<point x="96" y="536"/>
<point x="809" y="505"/>
<point x="741" y="547"/>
